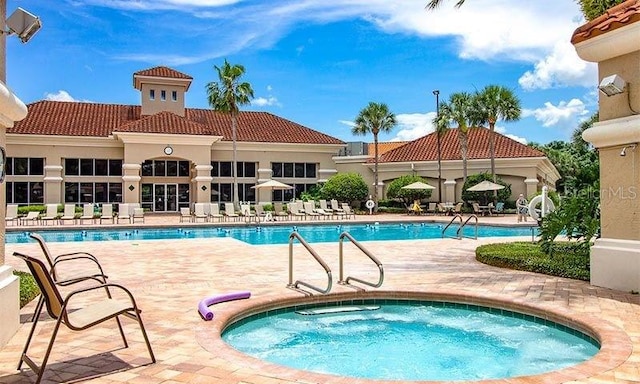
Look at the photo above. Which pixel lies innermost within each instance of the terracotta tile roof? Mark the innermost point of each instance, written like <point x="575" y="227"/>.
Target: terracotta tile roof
<point x="384" y="147"/>
<point x="622" y="14"/>
<point x="426" y="148"/>
<point x="163" y="72"/>
<point x="163" y="122"/>
<point x="91" y="119"/>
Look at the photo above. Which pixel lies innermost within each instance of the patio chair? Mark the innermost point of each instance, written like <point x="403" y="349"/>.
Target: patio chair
<point x="458" y="209"/>
<point x="11" y="214"/>
<point x="138" y="214"/>
<point x="32" y="218"/>
<point x="335" y="206"/>
<point x="123" y="213"/>
<point x="87" y="213"/>
<point x="69" y="213"/>
<point x="432" y="208"/>
<point x="245" y="211"/>
<point x="476" y="209"/>
<point x="66" y="311"/>
<point x="310" y="209"/>
<point x="214" y="212"/>
<point x="106" y="213"/>
<point x="279" y="210"/>
<point x="294" y="211"/>
<point x="185" y="214"/>
<point x="499" y="210"/>
<point x="324" y="207"/>
<point x="230" y="211"/>
<point x="347" y="210"/>
<point x="51" y="214"/>
<point x="261" y="214"/>
<point x="199" y="213"/>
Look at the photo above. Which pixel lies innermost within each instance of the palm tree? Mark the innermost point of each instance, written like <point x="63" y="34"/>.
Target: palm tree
<point x="458" y="110"/>
<point x="226" y="95"/>
<point x="495" y="103"/>
<point x="374" y="118"/>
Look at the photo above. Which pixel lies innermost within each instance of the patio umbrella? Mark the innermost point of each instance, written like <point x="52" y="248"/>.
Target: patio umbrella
<point x="418" y="185"/>
<point x="485" y="186"/>
<point x="272" y="185"/>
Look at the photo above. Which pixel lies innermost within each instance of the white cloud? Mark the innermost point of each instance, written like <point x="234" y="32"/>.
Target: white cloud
<point x="152" y="5"/>
<point x="269" y="88"/>
<point x="565" y="115"/>
<point x="503" y="131"/>
<point x="265" y="101"/>
<point x="562" y="67"/>
<point x="62" y="95"/>
<point x="414" y="125"/>
<point x="348" y="123"/>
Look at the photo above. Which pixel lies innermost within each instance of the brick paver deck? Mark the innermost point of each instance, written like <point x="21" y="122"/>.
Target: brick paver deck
<point x="169" y="277"/>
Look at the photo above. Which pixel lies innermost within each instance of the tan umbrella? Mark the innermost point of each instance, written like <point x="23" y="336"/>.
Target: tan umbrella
<point x="272" y="185"/>
<point x="418" y="185"/>
<point x="485" y="186"/>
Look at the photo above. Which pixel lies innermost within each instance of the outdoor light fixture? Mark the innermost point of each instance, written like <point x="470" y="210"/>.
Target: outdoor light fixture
<point x="612" y="85"/>
<point x="23" y="24"/>
<point x="624" y="149"/>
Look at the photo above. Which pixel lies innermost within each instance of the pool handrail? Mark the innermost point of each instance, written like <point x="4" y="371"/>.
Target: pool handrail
<point x="458" y="216"/>
<point x="344" y="281"/>
<point x="293" y="236"/>
<point x="459" y="232"/>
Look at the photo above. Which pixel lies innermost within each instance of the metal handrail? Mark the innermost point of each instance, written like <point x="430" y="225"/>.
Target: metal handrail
<point x="458" y="216"/>
<point x="296" y="235"/>
<point x="368" y="254"/>
<point x="459" y="231"/>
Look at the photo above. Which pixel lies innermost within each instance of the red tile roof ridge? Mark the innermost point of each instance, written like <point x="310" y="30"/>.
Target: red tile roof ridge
<point x="162" y="71"/>
<point x="616" y="17"/>
<point x="158" y="122"/>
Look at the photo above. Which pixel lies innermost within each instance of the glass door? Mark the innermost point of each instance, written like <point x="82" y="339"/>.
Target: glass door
<point x="171" y="198"/>
<point x="165" y="197"/>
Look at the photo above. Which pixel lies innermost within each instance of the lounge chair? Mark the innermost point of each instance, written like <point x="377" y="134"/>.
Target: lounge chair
<point x="214" y="212"/>
<point x="476" y="209"/>
<point x="199" y="213"/>
<point x="310" y="210"/>
<point x="32" y="218"/>
<point x="66" y="311"/>
<point x="51" y="214"/>
<point x="138" y="214"/>
<point x="107" y="213"/>
<point x="347" y="210"/>
<point x="123" y="213"/>
<point x="230" y="211"/>
<point x="87" y="213"/>
<point x="279" y="210"/>
<point x="185" y="214"/>
<point x="245" y="211"/>
<point x="294" y="211"/>
<point x="432" y="207"/>
<point x="323" y="213"/>
<point x="11" y="215"/>
<point x="458" y="209"/>
<point x="335" y="206"/>
<point x="324" y="207"/>
<point x="69" y="213"/>
<point x="261" y="214"/>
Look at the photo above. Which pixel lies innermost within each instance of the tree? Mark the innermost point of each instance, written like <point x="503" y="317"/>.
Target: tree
<point x="227" y="95"/>
<point x="345" y="187"/>
<point x="395" y="190"/>
<point x="374" y="118"/>
<point x="590" y="8"/>
<point x="457" y="110"/>
<point x="495" y="103"/>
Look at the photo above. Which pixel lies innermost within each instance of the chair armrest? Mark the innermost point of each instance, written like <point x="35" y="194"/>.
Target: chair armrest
<point x="101" y="286"/>
<point x="100" y="276"/>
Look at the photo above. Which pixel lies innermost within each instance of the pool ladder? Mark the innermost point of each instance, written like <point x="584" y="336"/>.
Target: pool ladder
<point x="459" y="233"/>
<point x="345" y="235"/>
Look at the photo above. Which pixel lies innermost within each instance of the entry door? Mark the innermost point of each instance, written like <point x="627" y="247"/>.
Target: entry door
<point x="165" y="197"/>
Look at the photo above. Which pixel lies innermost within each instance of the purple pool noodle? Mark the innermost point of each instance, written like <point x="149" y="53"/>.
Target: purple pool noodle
<point x="203" y="305"/>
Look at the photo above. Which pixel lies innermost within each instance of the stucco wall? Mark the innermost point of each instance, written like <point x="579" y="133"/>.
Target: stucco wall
<point x="628" y="67"/>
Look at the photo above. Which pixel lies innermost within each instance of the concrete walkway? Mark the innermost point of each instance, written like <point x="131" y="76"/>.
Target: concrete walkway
<point x="169" y="277"/>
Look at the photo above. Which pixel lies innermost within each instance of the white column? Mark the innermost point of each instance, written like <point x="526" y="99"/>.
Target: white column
<point x="202" y="183"/>
<point x="53" y="184"/>
<point x="131" y="183"/>
<point x="450" y="191"/>
<point x="532" y="187"/>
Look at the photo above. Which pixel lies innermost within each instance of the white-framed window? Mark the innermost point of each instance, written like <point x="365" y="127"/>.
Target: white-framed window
<point x="163" y="95"/>
<point x="174" y="95"/>
<point x="152" y="94"/>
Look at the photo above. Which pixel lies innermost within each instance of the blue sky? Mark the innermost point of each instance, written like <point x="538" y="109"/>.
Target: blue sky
<point x="317" y="62"/>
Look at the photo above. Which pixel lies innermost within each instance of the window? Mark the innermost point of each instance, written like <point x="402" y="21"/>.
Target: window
<point x="92" y="167"/>
<point x="24" y="166"/>
<point x="152" y="94"/>
<point x="294" y="170"/>
<point x="223" y="169"/>
<point x="25" y="192"/>
<point x="92" y="193"/>
<point x="101" y="167"/>
<point x="183" y="168"/>
<point x="174" y="96"/>
<point x="172" y="168"/>
<point x="115" y="167"/>
<point x="249" y="169"/>
<point x="159" y="168"/>
<point x="289" y="194"/>
<point x="165" y="168"/>
<point x="163" y="95"/>
<point x="223" y="192"/>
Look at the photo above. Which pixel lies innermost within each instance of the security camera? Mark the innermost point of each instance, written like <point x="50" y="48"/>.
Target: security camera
<point x="23" y="24"/>
<point x="612" y="85"/>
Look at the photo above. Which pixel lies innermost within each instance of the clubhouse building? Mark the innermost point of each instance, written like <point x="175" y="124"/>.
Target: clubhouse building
<point x="166" y="156"/>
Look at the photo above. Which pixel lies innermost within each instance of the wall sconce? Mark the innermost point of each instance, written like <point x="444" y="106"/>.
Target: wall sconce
<point x="131" y="187"/>
<point x="612" y="85"/>
<point x="23" y="24"/>
<point x="632" y="147"/>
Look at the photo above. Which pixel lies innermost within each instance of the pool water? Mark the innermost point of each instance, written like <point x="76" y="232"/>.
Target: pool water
<point x="272" y="234"/>
<point x="423" y="341"/>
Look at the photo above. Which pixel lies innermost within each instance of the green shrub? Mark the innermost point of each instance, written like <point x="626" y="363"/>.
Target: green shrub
<point x="24" y="210"/>
<point x="347" y="187"/>
<point x="268" y="208"/>
<point x="577" y="218"/>
<point x="28" y="288"/>
<point x="407" y="195"/>
<point x="568" y="261"/>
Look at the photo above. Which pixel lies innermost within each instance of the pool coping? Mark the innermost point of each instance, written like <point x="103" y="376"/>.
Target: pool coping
<point x="616" y="346"/>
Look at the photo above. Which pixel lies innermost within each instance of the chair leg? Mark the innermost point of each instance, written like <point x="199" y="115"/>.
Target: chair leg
<point x="124" y="339"/>
<point x="34" y="320"/>
<point x="40" y="370"/>
<point x="146" y="338"/>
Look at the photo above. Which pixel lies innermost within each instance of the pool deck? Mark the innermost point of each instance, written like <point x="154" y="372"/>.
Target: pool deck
<point x="169" y="277"/>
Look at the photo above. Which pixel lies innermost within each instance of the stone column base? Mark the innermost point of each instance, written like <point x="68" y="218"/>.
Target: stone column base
<point x="10" y="304"/>
<point x="615" y="264"/>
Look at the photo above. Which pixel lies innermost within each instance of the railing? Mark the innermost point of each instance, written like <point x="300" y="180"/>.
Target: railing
<point x="459" y="232"/>
<point x="296" y="235"/>
<point x="458" y="216"/>
<point x="368" y="254"/>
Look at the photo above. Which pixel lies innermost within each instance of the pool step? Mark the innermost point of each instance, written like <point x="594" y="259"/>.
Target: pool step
<point x="340" y="309"/>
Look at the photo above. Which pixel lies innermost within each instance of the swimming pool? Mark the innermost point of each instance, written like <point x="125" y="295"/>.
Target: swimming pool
<point x="410" y="340"/>
<point x="270" y="234"/>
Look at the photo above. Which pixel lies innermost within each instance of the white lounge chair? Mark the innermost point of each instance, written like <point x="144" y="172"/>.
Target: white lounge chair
<point x="279" y="210"/>
<point x="310" y="209"/>
<point x="335" y="206"/>
<point x="294" y="211"/>
<point x="51" y="215"/>
<point x="230" y="211"/>
<point x="87" y="213"/>
<point x="347" y="210"/>
<point x="324" y="207"/>
<point x="107" y="213"/>
<point x="245" y="211"/>
<point x="11" y="215"/>
<point x="69" y="213"/>
<point x="199" y="213"/>
<point x="123" y="213"/>
<point x="31" y="218"/>
<point x="185" y="214"/>
<point x="138" y="214"/>
<point x="214" y="212"/>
